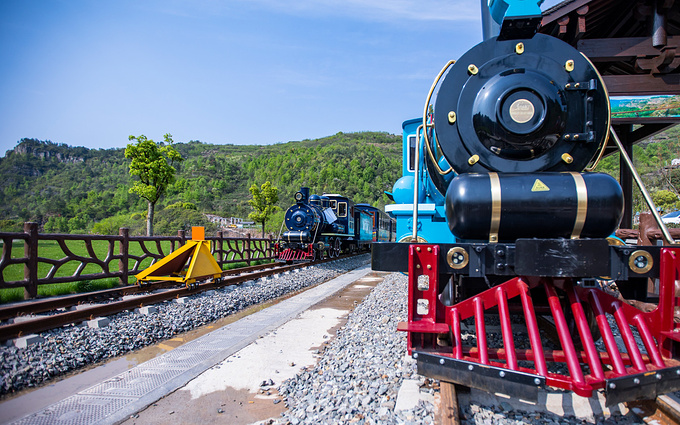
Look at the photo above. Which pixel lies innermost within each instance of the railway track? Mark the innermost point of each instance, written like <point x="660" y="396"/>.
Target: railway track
<point x="664" y="410"/>
<point x="144" y="297"/>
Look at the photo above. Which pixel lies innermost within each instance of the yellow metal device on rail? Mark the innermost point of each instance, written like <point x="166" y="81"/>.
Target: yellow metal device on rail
<point x="196" y="253"/>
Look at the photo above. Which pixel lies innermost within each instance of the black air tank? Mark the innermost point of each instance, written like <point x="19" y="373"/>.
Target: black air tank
<point x="507" y="206"/>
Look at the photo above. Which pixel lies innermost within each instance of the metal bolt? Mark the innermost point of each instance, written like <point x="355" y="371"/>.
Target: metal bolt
<point x="473" y="159"/>
<point x="612" y="386"/>
<point x="577" y="85"/>
<point x="567" y="86"/>
<point x="429" y="249"/>
<point x="418" y="249"/>
<point x="472" y="69"/>
<point x="501" y="374"/>
<point x="636" y="381"/>
<point x="415" y="355"/>
<point x="417" y="266"/>
<point x="470" y="367"/>
<point x="429" y="267"/>
<point x="441" y="361"/>
<point x="569" y="65"/>
<point x="677" y="372"/>
<point x="519" y="48"/>
<point x="567" y="158"/>
<point x="537" y="381"/>
<point x="478" y="248"/>
<point x="452" y="117"/>
<point x="658" y="376"/>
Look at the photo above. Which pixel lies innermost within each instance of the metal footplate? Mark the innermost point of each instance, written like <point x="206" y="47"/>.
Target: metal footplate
<point x="493" y="379"/>
<point x="642" y="386"/>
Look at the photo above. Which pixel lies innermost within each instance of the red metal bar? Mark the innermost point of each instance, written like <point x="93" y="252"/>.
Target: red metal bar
<point x="563" y="333"/>
<point x="607" y="335"/>
<point x="667" y="277"/>
<point x="586" y="336"/>
<point x="532" y="327"/>
<point x="648" y="340"/>
<point x="628" y="338"/>
<point x="506" y="329"/>
<point x="457" y="340"/>
<point x="481" y="331"/>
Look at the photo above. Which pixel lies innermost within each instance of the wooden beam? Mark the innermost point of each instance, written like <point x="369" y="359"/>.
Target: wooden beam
<point x="621" y="49"/>
<point x="672" y="120"/>
<point x="642" y="85"/>
<point x="647" y="131"/>
<point x="563" y="11"/>
<point x="626" y="176"/>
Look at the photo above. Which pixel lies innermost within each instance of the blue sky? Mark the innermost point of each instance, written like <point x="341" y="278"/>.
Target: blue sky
<point x="91" y="73"/>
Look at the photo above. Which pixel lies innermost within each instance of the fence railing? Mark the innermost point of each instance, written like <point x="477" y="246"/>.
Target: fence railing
<point x="58" y="258"/>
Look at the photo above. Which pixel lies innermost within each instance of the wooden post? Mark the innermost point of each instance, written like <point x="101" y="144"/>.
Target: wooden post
<point x="181" y="234"/>
<point x="246" y="249"/>
<point x="218" y="248"/>
<point x="626" y="176"/>
<point x="31" y="265"/>
<point x="124" y="251"/>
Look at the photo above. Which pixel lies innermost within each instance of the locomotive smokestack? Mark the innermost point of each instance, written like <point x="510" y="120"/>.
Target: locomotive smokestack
<point x="305" y="194"/>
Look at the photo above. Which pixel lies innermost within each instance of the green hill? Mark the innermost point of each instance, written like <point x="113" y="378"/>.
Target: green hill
<point x="80" y="190"/>
<point x="76" y="189"/>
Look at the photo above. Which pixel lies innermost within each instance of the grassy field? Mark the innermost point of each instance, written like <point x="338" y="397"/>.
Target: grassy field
<point x="52" y="250"/>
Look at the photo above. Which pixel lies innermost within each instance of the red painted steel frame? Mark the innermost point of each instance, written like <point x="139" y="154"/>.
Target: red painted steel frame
<point x="428" y="318"/>
<point x="289" y="254"/>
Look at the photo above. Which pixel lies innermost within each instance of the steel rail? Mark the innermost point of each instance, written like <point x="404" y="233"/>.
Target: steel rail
<point x="664" y="410"/>
<point x="53" y="303"/>
<point x="44" y="323"/>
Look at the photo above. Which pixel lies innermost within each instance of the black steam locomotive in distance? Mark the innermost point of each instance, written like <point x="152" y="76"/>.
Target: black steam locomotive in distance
<point x="499" y="214"/>
<point x="326" y="226"/>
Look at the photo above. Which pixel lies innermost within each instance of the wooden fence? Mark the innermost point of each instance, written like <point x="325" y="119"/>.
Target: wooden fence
<point x="102" y="257"/>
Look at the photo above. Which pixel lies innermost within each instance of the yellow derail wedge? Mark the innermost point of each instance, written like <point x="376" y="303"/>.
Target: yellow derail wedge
<point x="196" y="252"/>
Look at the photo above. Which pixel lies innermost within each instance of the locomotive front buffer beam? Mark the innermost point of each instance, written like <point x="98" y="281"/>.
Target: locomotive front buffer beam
<point x="585" y="288"/>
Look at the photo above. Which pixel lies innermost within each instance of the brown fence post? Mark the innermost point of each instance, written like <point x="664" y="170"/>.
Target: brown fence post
<point x="123" y="266"/>
<point x="181" y="234"/>
<point x="31" y="266"/>
<point x="218" y="248"/>
<point x="246" y="249"/>
<point x="270" y="247"/>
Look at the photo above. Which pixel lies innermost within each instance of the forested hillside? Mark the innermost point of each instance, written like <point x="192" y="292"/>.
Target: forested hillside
<point x="75" y="189"/>
<point x="81" y="190"/>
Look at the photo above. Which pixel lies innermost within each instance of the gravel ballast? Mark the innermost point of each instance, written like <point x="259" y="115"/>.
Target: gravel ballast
<point x="360" y="372"/>
<point x="71" y="348"/>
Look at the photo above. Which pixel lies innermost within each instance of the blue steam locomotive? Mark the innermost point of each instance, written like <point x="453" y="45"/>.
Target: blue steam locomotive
<point x="325" y="226"/>
<point x="499" y="213"/>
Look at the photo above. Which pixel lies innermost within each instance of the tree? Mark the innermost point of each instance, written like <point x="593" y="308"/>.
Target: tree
<point x="263" y="202"/>
<point x="153" y="163"/>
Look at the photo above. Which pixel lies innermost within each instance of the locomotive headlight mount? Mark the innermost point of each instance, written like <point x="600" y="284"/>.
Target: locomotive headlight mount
<point x="640" y="261"/>
<point x="457" y="258"/>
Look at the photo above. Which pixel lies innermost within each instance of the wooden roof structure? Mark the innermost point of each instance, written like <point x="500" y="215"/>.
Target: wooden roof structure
<point x="635" y="45"/>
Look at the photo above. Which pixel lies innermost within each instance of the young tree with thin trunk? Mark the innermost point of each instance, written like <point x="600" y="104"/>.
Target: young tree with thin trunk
<point x="263" y="202"/>
<point x="153" y="163"/>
